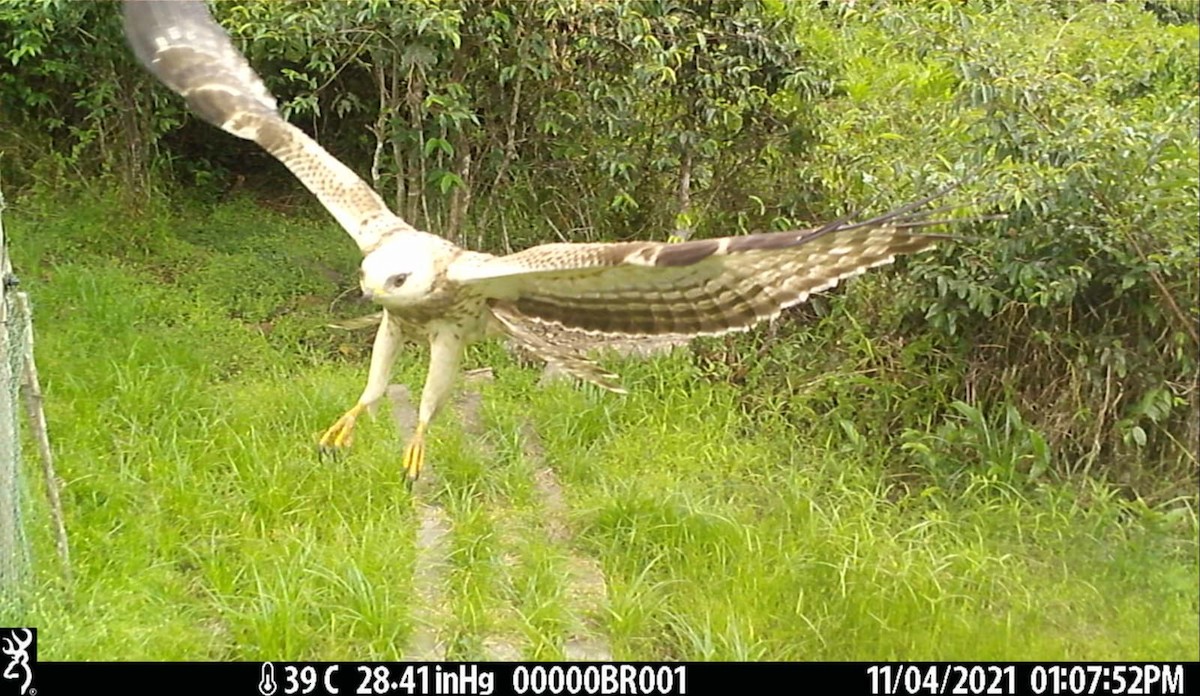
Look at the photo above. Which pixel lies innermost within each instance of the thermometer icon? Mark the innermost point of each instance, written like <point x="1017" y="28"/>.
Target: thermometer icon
<point x="267" y="685"/>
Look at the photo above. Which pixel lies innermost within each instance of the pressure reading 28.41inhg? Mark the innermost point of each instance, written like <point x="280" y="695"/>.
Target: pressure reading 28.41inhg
<point x="421" y="679"/>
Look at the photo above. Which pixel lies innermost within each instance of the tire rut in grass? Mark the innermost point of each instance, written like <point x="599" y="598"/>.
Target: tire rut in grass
<point x="498" y="645"/>
<point x="431" y="565"/>
<point x="587" y="590"/>
<point x="584" y="593"/>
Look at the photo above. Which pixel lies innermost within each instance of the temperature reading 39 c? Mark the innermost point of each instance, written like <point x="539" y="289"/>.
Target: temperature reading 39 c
<point x="297" y="680"/>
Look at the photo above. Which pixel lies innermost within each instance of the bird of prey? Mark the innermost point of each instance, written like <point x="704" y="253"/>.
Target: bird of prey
<point x="544" y="297"/>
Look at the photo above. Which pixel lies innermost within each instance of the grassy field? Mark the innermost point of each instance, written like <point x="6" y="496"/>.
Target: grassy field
<point x="188" y="373"/>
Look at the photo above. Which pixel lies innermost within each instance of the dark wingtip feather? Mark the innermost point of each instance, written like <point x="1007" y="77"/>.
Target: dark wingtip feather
<point x="686" y="253"/>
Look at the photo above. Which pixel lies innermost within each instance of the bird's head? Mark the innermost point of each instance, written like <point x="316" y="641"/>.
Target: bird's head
<point x="401" y="271"/>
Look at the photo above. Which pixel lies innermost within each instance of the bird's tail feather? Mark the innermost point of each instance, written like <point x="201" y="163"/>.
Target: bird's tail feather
<point x="567" y="355"/>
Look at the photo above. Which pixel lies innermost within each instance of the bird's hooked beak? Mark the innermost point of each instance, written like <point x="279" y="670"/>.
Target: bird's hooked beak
<point x="369" y="290"/>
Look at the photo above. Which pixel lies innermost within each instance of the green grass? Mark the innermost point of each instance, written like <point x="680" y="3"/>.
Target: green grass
<point x="187" y="374"/>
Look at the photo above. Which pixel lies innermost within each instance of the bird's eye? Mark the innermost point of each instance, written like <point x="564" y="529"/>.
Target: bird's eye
<point x="397" y="280"/>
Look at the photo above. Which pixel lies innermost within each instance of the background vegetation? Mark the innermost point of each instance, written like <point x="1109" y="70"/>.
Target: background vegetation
<point x="988" y="443"/>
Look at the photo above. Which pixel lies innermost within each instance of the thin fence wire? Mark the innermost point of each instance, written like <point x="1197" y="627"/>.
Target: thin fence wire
<point x="15" y="554"/>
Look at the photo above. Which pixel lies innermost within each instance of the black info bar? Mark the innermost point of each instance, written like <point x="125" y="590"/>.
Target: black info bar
<point x="32" y="678"/>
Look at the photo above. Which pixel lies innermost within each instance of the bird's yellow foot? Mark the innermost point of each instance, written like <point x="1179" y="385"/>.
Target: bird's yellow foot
<point x="341" y="433"/>
<point x="414" y="456"/>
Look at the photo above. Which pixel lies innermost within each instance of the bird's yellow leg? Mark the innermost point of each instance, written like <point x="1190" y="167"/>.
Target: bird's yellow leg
<point x="387" y="339"/>
<point x="445" y="353"/>
<point x="414" y="455"/>
<point x="341" y="433"/>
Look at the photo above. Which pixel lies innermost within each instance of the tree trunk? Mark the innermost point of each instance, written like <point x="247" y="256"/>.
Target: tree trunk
<point x="460" y="198"/>
<point x="684" y="231"/>
<point x="379" y="129"/>
<point x="415" y="171"/>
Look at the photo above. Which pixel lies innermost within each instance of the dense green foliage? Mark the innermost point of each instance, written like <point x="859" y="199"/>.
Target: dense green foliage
<point x="989" y="452"/>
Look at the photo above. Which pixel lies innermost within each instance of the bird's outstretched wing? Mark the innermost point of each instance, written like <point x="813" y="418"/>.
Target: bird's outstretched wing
<point x="185" y="48"/>
<point x="707" y="286"/>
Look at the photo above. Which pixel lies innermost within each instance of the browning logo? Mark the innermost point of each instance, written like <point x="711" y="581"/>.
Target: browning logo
<point x="19" y="647"/>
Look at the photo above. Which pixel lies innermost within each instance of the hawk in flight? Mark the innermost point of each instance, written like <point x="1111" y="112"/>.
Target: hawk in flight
<point x="545" y="298"/>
